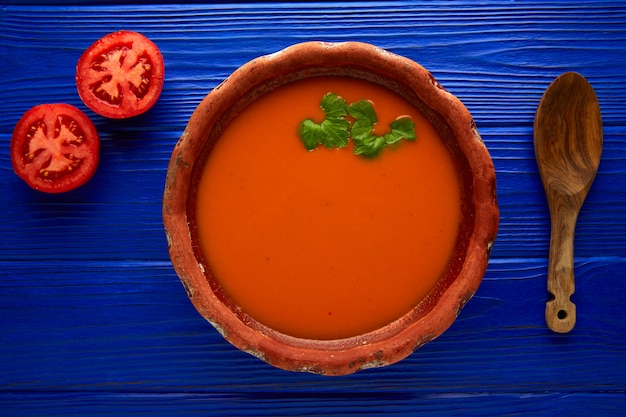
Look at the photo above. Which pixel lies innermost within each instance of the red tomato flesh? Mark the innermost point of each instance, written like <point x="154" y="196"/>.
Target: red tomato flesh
<point x="120" y="75"/>
<point x="55" y="148"/>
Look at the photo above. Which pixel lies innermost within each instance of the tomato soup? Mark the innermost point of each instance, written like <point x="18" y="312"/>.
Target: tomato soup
<point x="324" y="244"/>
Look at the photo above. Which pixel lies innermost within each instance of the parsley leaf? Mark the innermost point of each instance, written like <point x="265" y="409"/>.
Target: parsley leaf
<point x="369" y="146"/>
<point x="367" y="143"/>
<point x="365" y="118"/>
<point x="401" y="128"/>
<point x="333" y="132"/>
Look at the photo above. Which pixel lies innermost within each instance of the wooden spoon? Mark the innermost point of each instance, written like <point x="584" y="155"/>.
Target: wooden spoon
<point x="568" y="145"/>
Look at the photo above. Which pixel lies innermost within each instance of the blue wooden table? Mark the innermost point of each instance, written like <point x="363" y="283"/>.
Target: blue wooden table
<point x="94" y="321"/>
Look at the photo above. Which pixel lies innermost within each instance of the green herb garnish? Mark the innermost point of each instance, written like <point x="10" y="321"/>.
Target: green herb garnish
<point x="335" y="130"/>
<point x="366" y="143"/>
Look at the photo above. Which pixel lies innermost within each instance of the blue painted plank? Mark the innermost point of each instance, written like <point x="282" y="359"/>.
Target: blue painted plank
<point x="398" y="403"/>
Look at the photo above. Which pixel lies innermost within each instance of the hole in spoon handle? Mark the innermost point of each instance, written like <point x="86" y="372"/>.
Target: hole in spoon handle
<point x="560" y="315"/>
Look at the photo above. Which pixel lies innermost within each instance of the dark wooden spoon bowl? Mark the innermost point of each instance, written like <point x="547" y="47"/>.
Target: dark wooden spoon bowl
<point x="568" y="146"/>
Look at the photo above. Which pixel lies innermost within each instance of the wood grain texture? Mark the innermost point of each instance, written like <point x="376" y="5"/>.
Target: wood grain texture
<point x="93" y="319"/>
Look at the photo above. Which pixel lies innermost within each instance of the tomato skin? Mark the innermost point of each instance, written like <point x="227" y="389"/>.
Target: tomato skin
<point x="55" y="148"/>
<point x="120" y="75"/>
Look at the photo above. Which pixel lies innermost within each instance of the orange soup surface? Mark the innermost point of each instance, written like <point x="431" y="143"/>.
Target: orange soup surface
<point x="324" y="244"/>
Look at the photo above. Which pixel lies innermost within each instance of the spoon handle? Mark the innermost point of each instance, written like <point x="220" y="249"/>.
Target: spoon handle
<point x="560" y="310"/>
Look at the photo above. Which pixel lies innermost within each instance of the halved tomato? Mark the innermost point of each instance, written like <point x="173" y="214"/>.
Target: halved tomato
<point x="120" y="75"/>
<point x="55" y="148"/>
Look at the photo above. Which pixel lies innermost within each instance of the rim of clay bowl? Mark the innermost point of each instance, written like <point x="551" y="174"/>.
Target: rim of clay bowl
<point x="433" y="315"/>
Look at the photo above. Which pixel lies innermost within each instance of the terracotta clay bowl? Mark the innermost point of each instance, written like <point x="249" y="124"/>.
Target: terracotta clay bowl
<point x="435" y="313"/>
